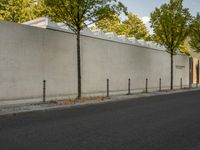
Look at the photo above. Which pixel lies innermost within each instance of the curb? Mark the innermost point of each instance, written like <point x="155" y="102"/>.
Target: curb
<point x="20" y="109"/>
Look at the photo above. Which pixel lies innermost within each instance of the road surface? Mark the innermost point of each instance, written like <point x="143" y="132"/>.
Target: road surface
<point x="170" y="122"/>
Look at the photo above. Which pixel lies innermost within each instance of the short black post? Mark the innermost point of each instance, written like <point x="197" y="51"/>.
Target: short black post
<point x="108" y="88"/>
<point x="181" y="83"/>
<point x="197" y="85"/>
<point x="160" y="85"/>
<point x="146" y="85"/>
<point x="44" y="91"/>
<point x="129" y="86"/>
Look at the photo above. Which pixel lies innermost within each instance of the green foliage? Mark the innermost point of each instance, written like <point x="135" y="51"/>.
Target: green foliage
<point x="40" y="9"/>
<point x="184" y="49"/>
<point x="77" y="14"/>
<point x="171" y="24"/>
<point x="133" y="26"/>
<point x="17" y="10"/>
<point x="110" y="24"/>
<point x="195" y="34"/>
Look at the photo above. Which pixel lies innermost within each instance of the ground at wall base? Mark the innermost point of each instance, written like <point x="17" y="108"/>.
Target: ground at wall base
<point x="64" y="104"/>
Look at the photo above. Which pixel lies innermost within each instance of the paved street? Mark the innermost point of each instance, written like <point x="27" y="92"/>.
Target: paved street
<point x="170" y="122"/>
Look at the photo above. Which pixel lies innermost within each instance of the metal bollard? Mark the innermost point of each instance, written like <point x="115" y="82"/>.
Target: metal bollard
<point x="108" y="88"/>
<point x="181" y="83"/>
<point x="129" y="86"/>
<point x="197" y="85"/>
<point x="160" y="85"/>
<point x="44" y="91"/>
<point x="146" y="85"/>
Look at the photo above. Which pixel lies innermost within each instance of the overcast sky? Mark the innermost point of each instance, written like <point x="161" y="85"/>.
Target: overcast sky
<point x="143" y="8"/>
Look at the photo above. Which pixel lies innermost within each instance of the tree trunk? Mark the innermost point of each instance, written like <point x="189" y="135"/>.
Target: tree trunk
<point x="172" y="70"/>
<point x="79" y="64"/>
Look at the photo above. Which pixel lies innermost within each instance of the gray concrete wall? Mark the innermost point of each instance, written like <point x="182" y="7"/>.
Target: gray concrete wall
<point x="119" y="62"/>
<point x="28" y="55"/>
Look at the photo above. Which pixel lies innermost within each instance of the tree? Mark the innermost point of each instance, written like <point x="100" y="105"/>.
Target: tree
<point x="133" y="26"/>
<point x="110" y="24"/>
<point x="195" y="34"/>
<point x="40" y="9"/>
<point x="78" y="14"/>
<point x="171" y="24"/>
<point x="17" y="10"/>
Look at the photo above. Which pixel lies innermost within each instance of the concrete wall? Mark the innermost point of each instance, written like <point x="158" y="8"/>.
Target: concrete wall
<point x="104" y="59"/>
<point x="28" y="55"/>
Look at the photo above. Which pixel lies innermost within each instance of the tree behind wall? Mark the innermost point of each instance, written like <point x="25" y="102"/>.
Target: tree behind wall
<point x="195" y="34"/>
<point x="109" y="24"/>
<point x="77" y="14"/>
<point x="17" y="10"/>
<point x="133" y="26"/>
<point x="171" y="24"/>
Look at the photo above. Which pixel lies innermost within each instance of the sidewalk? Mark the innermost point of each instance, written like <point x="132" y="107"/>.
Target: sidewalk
<point x="22" y="108"/>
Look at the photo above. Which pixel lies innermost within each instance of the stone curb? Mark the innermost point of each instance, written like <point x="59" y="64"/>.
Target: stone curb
<point x="14" y="110"/>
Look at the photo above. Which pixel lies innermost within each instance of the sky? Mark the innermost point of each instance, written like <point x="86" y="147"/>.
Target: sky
<point x="143" y="8"/>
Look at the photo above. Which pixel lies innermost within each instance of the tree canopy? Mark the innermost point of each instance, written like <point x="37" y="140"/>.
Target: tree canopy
<point x="132" y="26"/>
<point x="109" y="24"/>
<point x="40" y="9"/>
<point x="78" y="14"/>
<point x="171" y="24"/>
<point x="17" y="10"/>
<point x="195" y="34"/>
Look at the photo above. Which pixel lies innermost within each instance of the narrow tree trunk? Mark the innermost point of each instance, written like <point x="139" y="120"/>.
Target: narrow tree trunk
<point x="172" y="70"/>
<point x="79" y="64"/>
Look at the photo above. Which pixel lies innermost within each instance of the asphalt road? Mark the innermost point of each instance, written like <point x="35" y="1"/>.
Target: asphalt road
<point x="170" y="122"/>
